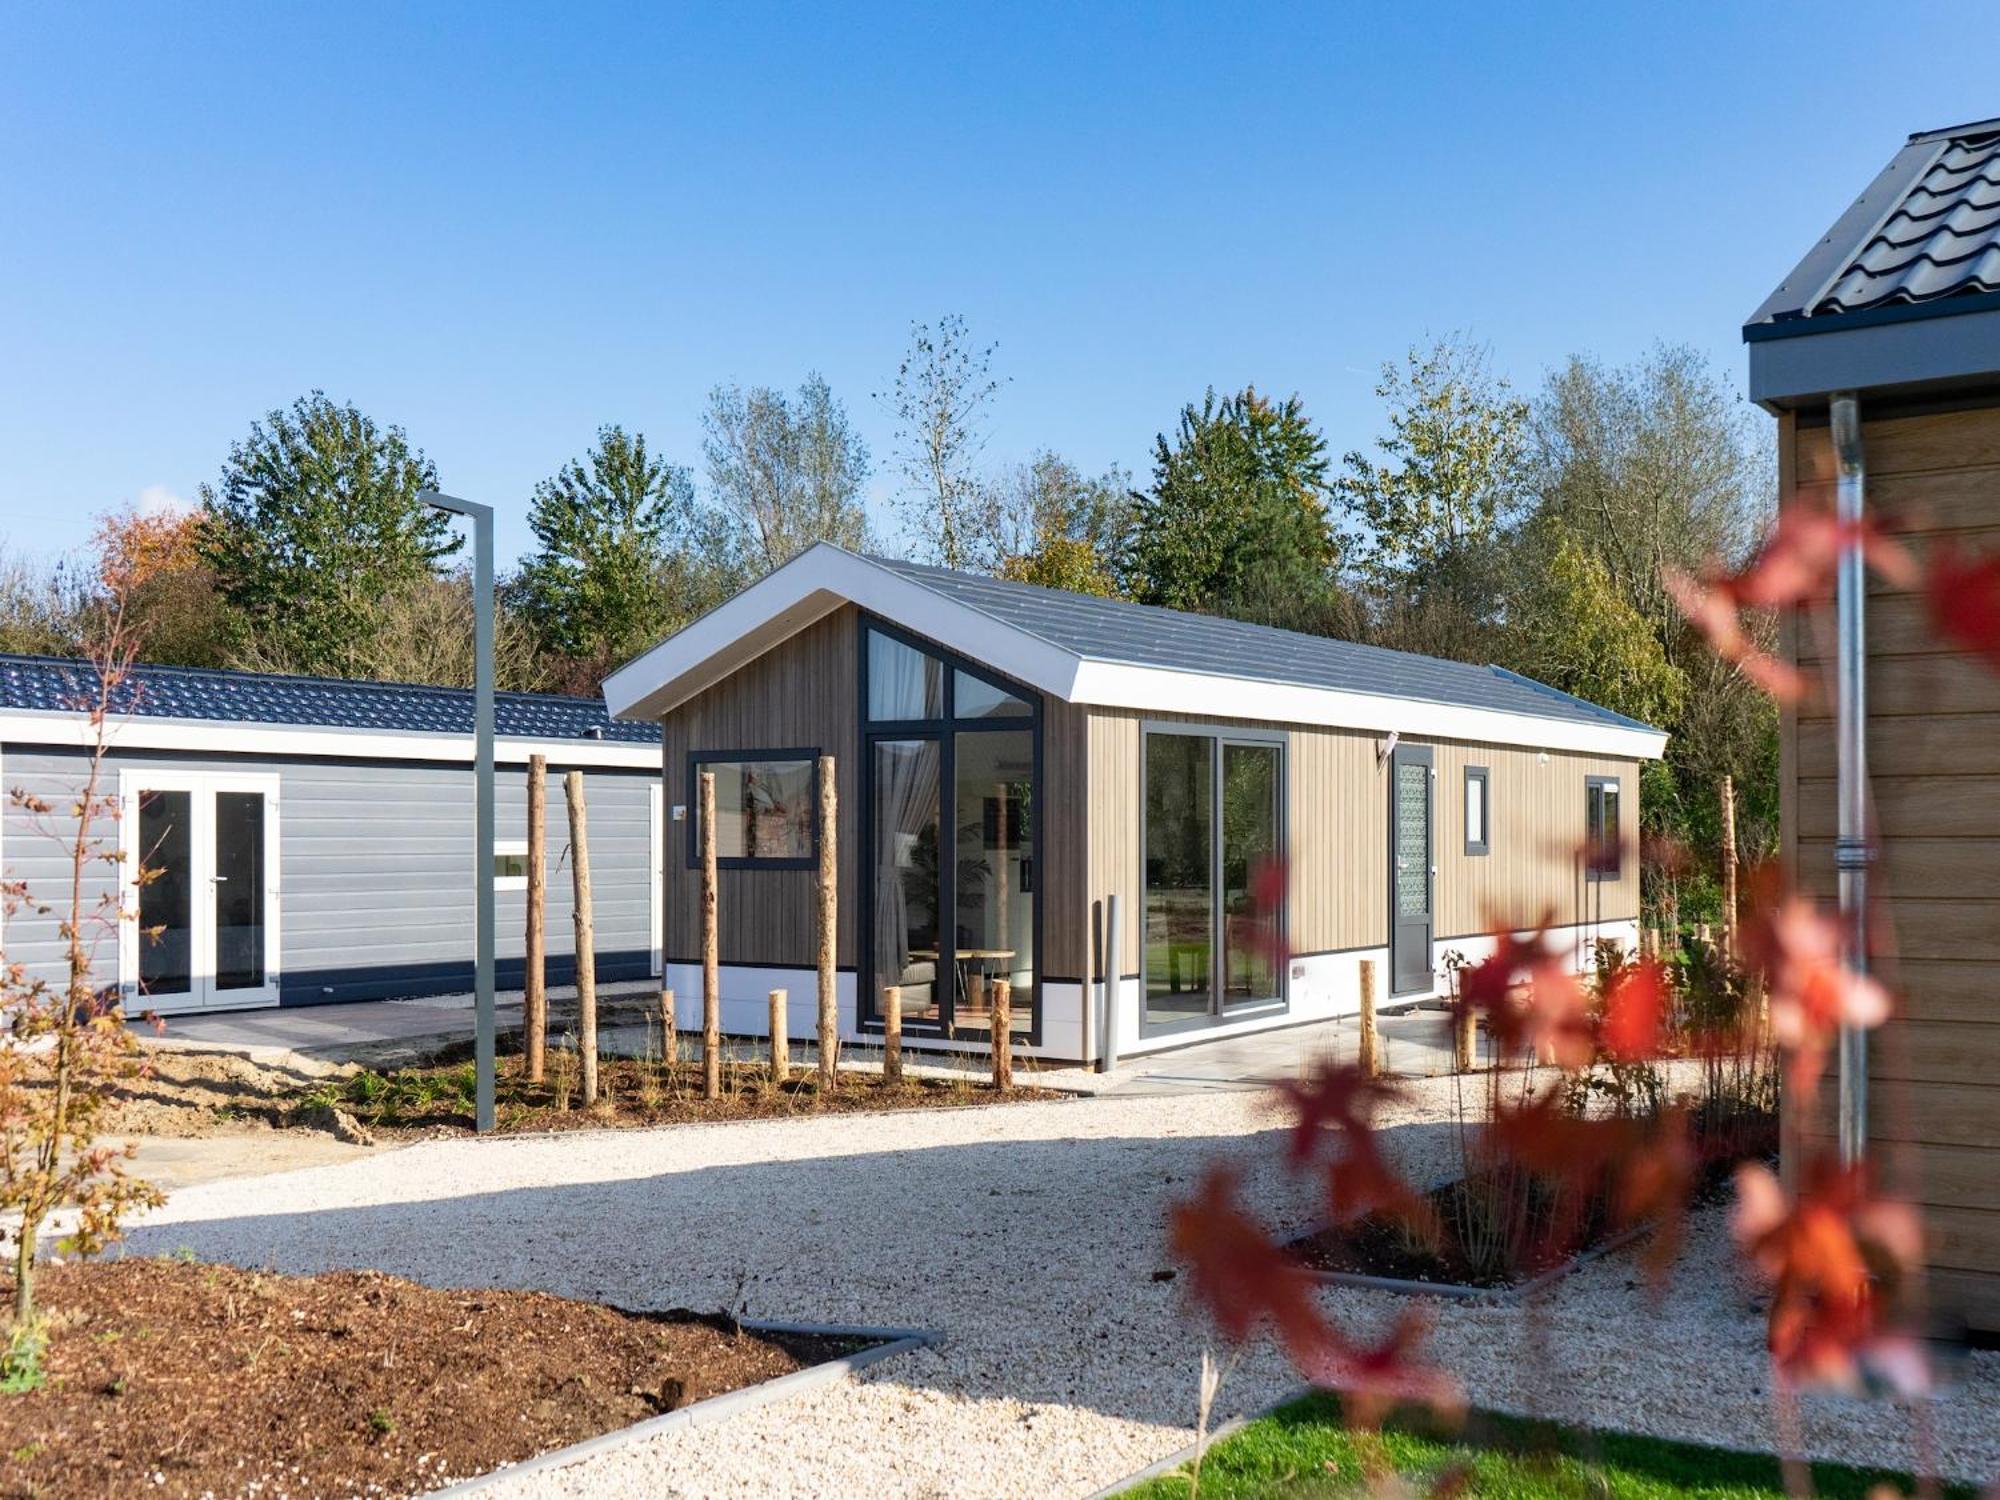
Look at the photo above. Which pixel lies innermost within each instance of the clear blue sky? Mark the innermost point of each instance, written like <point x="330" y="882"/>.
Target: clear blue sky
<point x="501" y="226"/>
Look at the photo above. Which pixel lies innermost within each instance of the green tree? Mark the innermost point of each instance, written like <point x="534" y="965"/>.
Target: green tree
<point x="1659" y="464"/>
<point x="786" y="471"/>
<point x="1573" y="629"/>
<point x="942" y="390"/>
<point x="1236" y="518"/>
<point x="1427" y="517"/>
<point x="611" y="530"/>
<point x="1058" y="529"/>
<point x="313" y="523"/>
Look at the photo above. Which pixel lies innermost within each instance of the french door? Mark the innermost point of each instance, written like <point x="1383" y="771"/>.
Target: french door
<point x="200" y="927"/>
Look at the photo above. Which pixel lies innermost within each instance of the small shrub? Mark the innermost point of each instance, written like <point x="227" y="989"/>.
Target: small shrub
<point x="21" y="1369"/>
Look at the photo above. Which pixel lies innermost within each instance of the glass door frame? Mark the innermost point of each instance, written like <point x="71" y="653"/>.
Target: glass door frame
<point x="1218" y="736"/>
<point x="201" y="787"/>
<point x="945" y="730"/>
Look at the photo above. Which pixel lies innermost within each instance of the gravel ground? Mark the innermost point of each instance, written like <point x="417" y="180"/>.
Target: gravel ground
<point x="1027" y="1235"/>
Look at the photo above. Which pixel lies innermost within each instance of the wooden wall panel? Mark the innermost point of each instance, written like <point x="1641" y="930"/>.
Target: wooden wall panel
<point x="800" y="693"/>
<point x="1536" y="864"/>
<point x="1063" y="853"/>
<point x="1934" y="753"/>
<point x="1338" y="807"/>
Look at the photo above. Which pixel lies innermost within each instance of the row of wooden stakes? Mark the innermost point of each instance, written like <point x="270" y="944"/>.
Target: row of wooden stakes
<point x="827" y="907"/>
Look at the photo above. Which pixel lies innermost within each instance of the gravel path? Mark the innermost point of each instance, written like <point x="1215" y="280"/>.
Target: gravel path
<point x="1028" y="1235"/>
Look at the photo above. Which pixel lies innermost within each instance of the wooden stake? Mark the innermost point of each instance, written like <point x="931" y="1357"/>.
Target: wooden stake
<point x="535" y="986"/>
<point x="670" y="1040"/>
<point x="1728" y="867"/>
<point x="711" y="964"/>
<point x="1370" y="1056"/>
<point x="781" y="1044"/>
<point x="586" y="935"/>
<point x="1003" y="1034"/>
<point x="829" y="923"/>
<point x="892" y="1033"/>
<point x="1464" y="1033"/>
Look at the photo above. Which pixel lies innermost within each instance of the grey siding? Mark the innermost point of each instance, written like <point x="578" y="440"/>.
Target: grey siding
<point x="375" y="869"/>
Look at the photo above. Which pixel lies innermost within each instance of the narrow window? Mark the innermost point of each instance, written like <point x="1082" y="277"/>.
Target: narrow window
<point x="1604" y="849"/>
<point x="766" y="808"/>
<point x="1478" y="811"/>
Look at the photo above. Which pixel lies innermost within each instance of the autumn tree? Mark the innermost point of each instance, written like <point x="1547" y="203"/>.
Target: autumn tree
<point x="313" y="523"/>
<point x="612" y="530"/>
<point x="940" y="399"/>
<point x="786" y="471"/>
<point x="1058" y="529"/>
<point x="173" y="601"/>
<point x="1235" y="521"/>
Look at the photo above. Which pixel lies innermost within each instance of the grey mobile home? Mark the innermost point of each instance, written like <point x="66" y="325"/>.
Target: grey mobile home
<point x="314" y="838"/>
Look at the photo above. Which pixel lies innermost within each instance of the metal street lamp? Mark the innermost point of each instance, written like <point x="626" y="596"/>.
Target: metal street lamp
<point x="481" y="517"/>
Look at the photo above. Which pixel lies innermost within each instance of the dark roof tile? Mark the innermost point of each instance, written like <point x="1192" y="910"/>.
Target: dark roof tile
<point x="54" y="683"/>
<point x="1115" y="630"/>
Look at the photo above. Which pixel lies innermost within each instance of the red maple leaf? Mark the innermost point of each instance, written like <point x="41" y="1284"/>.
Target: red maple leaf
<point x="1812" y="993"/>
<point x="1337" y="1098"/>
<point x="1530" y="1000"/>
<point x="1964" y="598"/>
<point x="1374" y="1378"/>
<point x="1635" y="1012"/>
<point x="1245" y="1280"/>
<point x="1834" y="1255"/>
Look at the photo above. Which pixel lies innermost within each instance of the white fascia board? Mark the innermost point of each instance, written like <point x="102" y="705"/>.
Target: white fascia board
<point x="20" y="727"/>
<point x="1160" y="689"/>
<point x="810" y="586"/>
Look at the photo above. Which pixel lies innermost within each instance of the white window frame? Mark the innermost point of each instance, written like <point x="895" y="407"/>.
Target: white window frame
<point x="201" y="787"/>
<point x="509" y="882"/>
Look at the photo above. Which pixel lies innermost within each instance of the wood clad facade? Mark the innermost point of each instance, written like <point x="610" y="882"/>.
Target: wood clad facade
<point x="804" y="694"/>
<point x="1934" y="768"/>
<point x="1337" y="800"/>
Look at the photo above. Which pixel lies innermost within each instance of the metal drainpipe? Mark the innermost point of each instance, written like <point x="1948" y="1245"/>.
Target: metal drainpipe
<point x="1852" y="850"/>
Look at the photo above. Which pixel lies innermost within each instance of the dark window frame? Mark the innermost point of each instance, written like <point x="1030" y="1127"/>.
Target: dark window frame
<point x="699" y="758"/>
<point x="1484" y="843"/>
<point x="944" y="730"/>
<point x="1597" y="868"/>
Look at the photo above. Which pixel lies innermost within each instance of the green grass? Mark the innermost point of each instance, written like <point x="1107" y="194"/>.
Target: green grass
<point x="1303" y="1450"/>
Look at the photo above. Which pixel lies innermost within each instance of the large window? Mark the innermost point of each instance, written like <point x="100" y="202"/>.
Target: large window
<point x="1603" y="848"/>
<point x="766" y="808"/>
<point x="1213" y="925"/>
<point x="953" y="899"/>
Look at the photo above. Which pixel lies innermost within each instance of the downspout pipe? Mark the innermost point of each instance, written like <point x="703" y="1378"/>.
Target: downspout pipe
<point x="1853" y="851"/>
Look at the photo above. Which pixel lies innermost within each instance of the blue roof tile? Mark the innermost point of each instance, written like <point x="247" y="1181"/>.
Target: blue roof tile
<point x="55" y="683"/>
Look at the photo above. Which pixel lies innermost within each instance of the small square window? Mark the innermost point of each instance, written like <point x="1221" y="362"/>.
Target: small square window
<point x="510" y="864"/>
<point x="1478" y="811"/>
<point x="766" y="808"/>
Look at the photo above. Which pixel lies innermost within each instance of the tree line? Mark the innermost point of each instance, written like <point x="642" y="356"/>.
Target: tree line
<point x="1483" y="525"/>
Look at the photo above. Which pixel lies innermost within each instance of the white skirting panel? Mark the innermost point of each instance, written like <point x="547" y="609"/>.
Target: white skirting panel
<point x="1325" y="986"/>
<point x="746" y="1009"/>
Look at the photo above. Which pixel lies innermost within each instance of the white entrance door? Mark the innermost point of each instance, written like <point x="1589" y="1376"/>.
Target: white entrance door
<point x="200" y="928"/>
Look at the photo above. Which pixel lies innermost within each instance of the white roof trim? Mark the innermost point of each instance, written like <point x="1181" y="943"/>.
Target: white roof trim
<point x="819" y="580"/>
<point x="25" y="727"/>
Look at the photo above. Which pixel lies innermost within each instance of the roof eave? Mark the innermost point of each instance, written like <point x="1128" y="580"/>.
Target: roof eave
<point x="1953" y="349"/>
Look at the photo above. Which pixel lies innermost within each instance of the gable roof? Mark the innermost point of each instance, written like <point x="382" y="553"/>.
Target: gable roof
<point x="1112" y="653"/>
<point x="369" y="717"/>
<point x="1921" y="244"/>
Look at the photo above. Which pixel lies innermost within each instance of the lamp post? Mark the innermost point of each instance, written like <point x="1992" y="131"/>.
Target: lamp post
<point x="481" y="517"/>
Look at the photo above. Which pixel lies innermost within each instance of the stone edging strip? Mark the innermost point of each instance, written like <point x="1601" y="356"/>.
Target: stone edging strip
<point x="716" y="1408"/>
<point x="1500" y="1296"/>
<point x="1185" y="1455"/>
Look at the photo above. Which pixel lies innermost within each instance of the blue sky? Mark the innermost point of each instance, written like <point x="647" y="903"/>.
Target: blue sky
<point x="501" y="226"/>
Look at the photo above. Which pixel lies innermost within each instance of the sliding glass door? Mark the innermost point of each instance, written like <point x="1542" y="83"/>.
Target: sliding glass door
<point x="1213" y="919"/>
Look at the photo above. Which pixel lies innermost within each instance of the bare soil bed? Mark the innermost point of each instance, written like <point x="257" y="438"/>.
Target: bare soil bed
<point x="437" y="1098"/>
<point x="178" y="1378"/>
<point x="187" y="1094"/>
